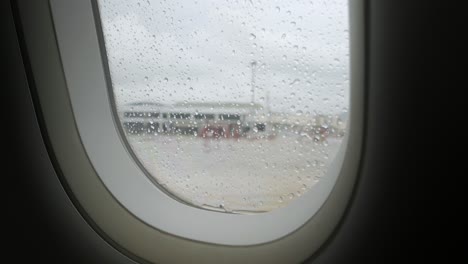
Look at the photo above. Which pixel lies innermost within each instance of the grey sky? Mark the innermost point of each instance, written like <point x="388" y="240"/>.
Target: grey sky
<point x="186" y="50"/>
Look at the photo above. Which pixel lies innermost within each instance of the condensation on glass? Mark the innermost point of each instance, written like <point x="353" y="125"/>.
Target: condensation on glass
<point x="234" y="106"/>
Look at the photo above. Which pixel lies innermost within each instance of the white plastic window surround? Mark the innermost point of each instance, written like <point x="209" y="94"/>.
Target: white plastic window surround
<point x="89" y="95"/>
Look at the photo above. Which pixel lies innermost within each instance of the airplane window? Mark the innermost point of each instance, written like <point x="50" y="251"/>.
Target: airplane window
<point x="236" y="106"/>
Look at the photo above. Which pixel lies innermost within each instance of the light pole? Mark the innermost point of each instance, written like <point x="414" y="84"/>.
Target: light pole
<point x="253" y="65"/>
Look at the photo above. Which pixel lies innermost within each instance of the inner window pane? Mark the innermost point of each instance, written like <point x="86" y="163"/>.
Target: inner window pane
<point x="235" y="106"/>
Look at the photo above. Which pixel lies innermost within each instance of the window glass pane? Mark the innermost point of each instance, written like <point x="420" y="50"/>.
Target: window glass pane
<point x="236" y="106"/>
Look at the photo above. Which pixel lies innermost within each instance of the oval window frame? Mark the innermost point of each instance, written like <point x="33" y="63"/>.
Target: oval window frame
<point x="125" y="226"/>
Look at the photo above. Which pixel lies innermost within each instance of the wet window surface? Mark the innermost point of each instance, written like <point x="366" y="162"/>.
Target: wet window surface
<point x="233" y="106"/>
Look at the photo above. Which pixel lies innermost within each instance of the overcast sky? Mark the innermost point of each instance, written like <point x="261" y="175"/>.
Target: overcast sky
<point x="185" y="50"/>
